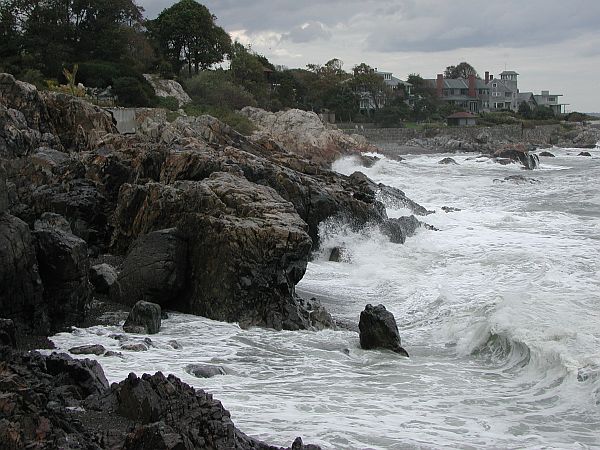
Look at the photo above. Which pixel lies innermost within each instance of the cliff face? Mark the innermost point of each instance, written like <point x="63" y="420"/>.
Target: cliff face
<point x="245" y="210"/>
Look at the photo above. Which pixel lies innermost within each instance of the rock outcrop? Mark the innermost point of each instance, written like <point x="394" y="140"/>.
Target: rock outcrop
<point x="303" y="133"/>
<point x="103" y="277"/>
<point x="517" y="153"/>
<point x="378" y="329"/>
<point x="168" y="88"/>
<point x="397" y="230"/>
<point x="59" y="402"/>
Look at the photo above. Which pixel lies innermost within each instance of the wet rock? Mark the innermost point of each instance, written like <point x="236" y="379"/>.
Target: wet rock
<point x="95" y="349"/>
<point x="547" y="154"/>
<point x="584" y="154"/>
<point x="449" y="209"/>
<point x="318" y="317"/>
<point x="111" y="353"/>
<point x="144" y="318"/>
<point x="64" y="266"/>
<point x="103" y="277"/>
<point x="336" y="254"/>
<point x="368" y="161"/>
<point x="517" y="153"/>
<point x="517" y="179"/>
<point x="447" y="161"/>
<point x="154" y="269"/>
<point x="3" y="191"/>
<point x="7" y="333"/>
<point x="204" y="370"/>
<point x="397" y="230"/>
<point x="134" y="347"/>
<point x="378" y="329"/>
<point x="20" y="287"/>
<point x="176" y="345"/>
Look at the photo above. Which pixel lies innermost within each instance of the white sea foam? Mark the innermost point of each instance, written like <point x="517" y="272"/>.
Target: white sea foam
<point x="499" y="311"/>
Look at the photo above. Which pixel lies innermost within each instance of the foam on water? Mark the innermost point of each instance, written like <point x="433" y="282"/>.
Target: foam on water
<point x="499" y="311"/>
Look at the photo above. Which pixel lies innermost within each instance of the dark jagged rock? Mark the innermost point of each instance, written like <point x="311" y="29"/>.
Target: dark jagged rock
<point x="584" y="154"/>
<point x="368" y="161"/>
<point x="103" y="277"/>
<point x="336" y="254"/>
<point x="517" y="179"/>
<point x="518" y="153"/>
<point x="547" y="154"/>
<point x="20" y="284"/>
<point x="171" y="412"/>
<point x="218" y="217"/>
<point x="204" y="370"/>
<point x="447" y="161"/>
<point x="397" y="230"/>
<point x="378" y="329"/>
<point x="154" y="270"/>
<point x="7" y="333"/>
<point x="95" y="349"/>
<point x="135" y="347"/>
<point x="449" y="209"/>
<point x="64" y="267"/>
<point x="144" y="318"/>
<point x="55" y="401"/>
<point x="3" y="191"/>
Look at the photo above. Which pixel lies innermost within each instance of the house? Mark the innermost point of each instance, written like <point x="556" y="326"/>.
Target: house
<point x="462" y="119"/>
<point x="466" y="93"/>
<point x="397" y="88"/>
<point x="551" y="101"/>
<point x="492" y="94"/>
<point x="395" y="84"/>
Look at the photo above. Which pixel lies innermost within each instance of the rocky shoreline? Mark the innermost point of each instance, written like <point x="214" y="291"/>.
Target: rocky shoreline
<point x="189" y="215"/>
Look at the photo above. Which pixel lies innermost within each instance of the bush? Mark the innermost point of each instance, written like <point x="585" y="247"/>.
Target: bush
<point x="131" y="91"/>
<point x="170" y="103"/>
<point x="98" y="74"/>
<point x="234" y="119"/>
<point x="213" y="88"/>
<point x="34" y="77"/>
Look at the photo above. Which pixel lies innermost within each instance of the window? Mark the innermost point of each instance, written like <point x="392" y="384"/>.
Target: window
<point x="495" y="94"/>
<point x="495" y="85"/>
<point x="551" y="99"/>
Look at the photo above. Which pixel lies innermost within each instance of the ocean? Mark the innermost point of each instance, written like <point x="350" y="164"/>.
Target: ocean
<point x="499" y="310"/>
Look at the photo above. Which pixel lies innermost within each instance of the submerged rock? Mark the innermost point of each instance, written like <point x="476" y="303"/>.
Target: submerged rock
<point x="397" y="230"/>
<point x="584" y="154"/>
<point x="144" y="318"/>
<point x="378" y="329"/>
<point x="546" y="154"/>
<point x="517" y="179"/>
<point x="204" y="370"/>
<point x="517" y="153"/>
<point x="447" y="161"/>
<point x="95" y="349"/>
<point x="449" y="209"/>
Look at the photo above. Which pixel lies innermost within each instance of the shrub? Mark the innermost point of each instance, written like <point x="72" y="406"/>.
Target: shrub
<point x="213" y="88"/>
<point x="234" y="119"/>
<point x="98" y="74"/>
<point x="131" y="91"/>
<point x="170" y="103"/>
<point x="34" y="77"/>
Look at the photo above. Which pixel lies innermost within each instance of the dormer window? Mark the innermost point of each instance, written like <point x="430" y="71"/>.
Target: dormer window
<point x="495" y="85"/>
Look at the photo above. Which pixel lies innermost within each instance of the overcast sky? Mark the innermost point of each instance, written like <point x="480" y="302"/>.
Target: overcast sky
<point x="553" y="44"/>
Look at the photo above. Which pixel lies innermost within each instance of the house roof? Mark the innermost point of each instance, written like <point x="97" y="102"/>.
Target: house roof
<point x="509" y="72"/>
<point x="459" y="83"/>
<point x="462" y="115"/>
<point x="525" y="96"/>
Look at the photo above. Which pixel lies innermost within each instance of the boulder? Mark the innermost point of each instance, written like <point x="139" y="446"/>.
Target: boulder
<point x="168" y="88"/>
<point x="303" y="133"/>
<point x="204" y="370"/>
<point x="247" y="247"/>
<point x="154" y="270"/>
<point x="144" y="318"/>
<point x="20" y="283"/>
<point x="3" y="191"/>
<point x="103" y="277"/>
<point x="517" y="179"/>
<point x="95" y="349"/>
<point x="7" y="333"/>
<point x="64" y="269"/>
<point x="135" y="347"/>
<point x="397" y="230"/>
<point x="335" y="254"/>
<point x="447" y="161"/>
<point x="378" y="329"/>
<point x="584" y="154"/>
<point x="547" y="154"/>
<point x="518" y="153"/>
<point x="449" y="209"/>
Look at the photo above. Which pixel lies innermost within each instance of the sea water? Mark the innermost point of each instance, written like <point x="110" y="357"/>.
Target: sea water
<point x="499" y="310"/>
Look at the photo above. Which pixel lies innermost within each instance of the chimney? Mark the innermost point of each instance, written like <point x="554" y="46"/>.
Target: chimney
<point x="439" y="85"/>
<point x="472" y="89"/>
<point x="491" y="77"/>
<point x="487" y="77"/>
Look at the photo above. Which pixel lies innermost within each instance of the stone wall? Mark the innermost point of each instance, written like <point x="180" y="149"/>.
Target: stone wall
<point x="542" y="135"/>
<point x="128" y="120"/>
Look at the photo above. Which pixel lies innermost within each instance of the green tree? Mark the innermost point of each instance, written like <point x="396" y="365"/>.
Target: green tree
<point x="369" y="86"/>
<point x="462" y="70"/>
<point x="186" y="33"/>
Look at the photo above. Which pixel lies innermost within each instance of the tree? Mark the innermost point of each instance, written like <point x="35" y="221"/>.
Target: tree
<point x="186" y="33"/>
<point x="370" y="86"/>
<point x="462" y="70"/>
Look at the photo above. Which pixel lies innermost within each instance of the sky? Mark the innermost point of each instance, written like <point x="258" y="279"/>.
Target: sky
<point x="553" y="44"/>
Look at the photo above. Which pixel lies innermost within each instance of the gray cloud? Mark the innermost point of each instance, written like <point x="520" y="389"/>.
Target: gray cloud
<point x="307" y="32"/>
